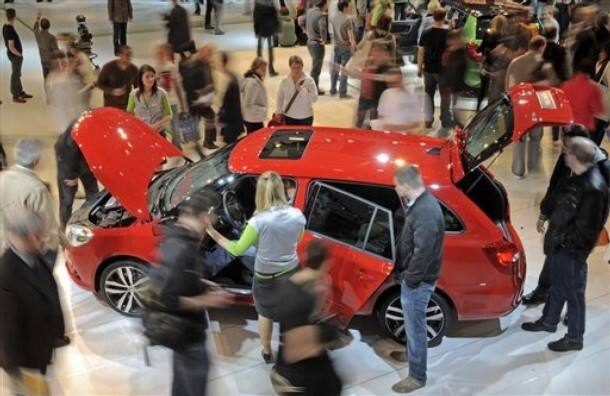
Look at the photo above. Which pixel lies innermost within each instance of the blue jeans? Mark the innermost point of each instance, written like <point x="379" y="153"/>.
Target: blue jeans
<point x="414" y="304"/>
<point x="316" y="51"/>
<point x="340" y="59"/>
<point x="191" y="368"/>
<point x="568" y="283"/>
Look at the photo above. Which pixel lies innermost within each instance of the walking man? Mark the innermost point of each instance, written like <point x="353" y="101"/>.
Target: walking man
<point x="119" y="12"/>
<point x="577" y="217"/>
<point x="419" y="260"/>
<point x="117" y="78"/>
<point x="316" y="21"/>
<point x="47" y="44"/>
<point x="14" y="51"/>
<point x="345" y="44"/>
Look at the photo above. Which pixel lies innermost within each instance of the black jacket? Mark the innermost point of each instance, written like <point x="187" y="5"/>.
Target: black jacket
<point x="70" y="160"/>
<point x="558" y="57"/>
<point x="230" y="113"/>
<point x="31" y="319"/>
<point x="179" y="274"/>
<point x="197" y="80"/>
<point x="266" y="21"/>
<point x="420" y="243"/>
<point x="179" y="31"/>
<point x="578" y="215"/>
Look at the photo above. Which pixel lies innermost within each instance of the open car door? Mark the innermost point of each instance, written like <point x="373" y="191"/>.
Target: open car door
<point x="123" y="153"/>
<point x="525" y="107"/>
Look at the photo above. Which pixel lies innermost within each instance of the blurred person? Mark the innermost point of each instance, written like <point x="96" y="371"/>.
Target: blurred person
<point x="149" y="102"/>
<point x="317" y="32"/>
<point x="529" y="68"/>
<point x="451" y="78"/>
<point x="23" y="189"/>
<point x="379" y="8"/>
<point x="254" y="101"/>
<point x="428" y="18"/>
<point x="179" y="30"/>
<point x="275" y="229"/>
<point x="266" y="24"/>
<point x="304" y="366"/>
<point x="582" y="40"/>
<point x="118" y="78"/>
<point x="561" y="173"/>
<point x="344" y="44"/>
<point x="198" y="84"/>
<point x="372" y="83"/>
<point x="431" y="46"/>
<point x="65" y="92"/>
<point x="296" y="95"/>
<point x="30" y="308"/>
<point x="119" y="13"/>
<point x="419" y="262"/>
<point x="563" y="14"/>
<point x="399" y="109"/>
<point x="602" y="78"/>
<point x="586" y="98"/>
<point x="85" y="70"/>
<point x="47" y="43"/>
<point x="400" y="9"/>
<point x="492" y="37"/>
<point x="503" y="55"/>
<point x="14" y="51"/>
<point x="548" y="21"/>
<point x="169" y="79"/>
<point x="71" y="166"/>
<point x="576" y="219"/>
<point x="178" y="287"/>
<point x="361" y="15"/>
<point x="381" y="36"/>
<point x="559" y="58"/>
<point x="229" y="115"/>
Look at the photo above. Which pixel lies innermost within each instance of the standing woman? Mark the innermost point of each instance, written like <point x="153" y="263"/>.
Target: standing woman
<point x="254" y="101"/>
<point x="275" y="230"/>
<point x="266" y="25"/>
<point x="149" y="102"/>
<point x="229" y="116"/>
<point x="296" y="95"/>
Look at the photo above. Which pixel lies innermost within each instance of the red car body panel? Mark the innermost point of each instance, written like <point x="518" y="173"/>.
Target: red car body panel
<point x="123" y="155"/>
<point x="478" y="287"/>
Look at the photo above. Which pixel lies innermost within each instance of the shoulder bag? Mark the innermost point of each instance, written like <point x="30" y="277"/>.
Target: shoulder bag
<point x="278" y="119"/>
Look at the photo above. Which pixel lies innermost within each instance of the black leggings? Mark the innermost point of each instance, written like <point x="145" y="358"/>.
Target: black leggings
<point x="253" y="126"/>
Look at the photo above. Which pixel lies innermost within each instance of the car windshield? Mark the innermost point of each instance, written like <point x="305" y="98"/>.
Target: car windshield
<point x="197" y="176"/>
<point x="488" y="132"/>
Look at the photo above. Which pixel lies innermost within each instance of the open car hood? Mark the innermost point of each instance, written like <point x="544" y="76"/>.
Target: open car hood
<point x="124" y="153"/>
<point x="525" y="107"/>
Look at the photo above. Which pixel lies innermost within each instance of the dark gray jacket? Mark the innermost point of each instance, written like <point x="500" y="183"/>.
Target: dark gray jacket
<point x="420" y="243"/>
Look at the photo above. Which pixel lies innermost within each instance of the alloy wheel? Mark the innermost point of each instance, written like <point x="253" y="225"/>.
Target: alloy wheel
<point x="435" y="321"/>
<point x="122" y="287"/>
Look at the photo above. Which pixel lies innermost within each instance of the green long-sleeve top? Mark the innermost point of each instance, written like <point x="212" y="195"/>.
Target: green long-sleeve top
<point x="149" y="110"/>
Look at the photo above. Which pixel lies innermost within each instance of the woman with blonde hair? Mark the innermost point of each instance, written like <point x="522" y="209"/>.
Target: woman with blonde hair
<point x="275" y="229"/>
<point x="254" y="101"/>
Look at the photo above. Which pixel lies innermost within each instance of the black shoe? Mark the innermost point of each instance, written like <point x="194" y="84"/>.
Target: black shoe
<point x="62" y="342"/>
<point x="209" y="27"/>
<point x="273" y="73"/>
<point x="534" y="298"/>
<point x="537" y="326"/>
<point x="321" y="93"/>
<point x="210" y="146"/>
<point x="267" y="357"/>
<point x="19" y="100"/>
<point x="564" y="345"/>
<point x="26" y="95"/>
<point x="333" y="92"/>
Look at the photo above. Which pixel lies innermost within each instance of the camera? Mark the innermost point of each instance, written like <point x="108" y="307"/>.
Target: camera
<point x="85" y="38"/>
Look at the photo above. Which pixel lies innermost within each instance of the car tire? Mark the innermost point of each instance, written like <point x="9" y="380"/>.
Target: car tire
<point x="440" y="317"/>
<point x="119" y="285"/>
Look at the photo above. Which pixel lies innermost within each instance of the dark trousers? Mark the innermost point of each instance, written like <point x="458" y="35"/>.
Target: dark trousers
<point x="316" y="51"/>
<point x="16" y="87"/>
<point x="209" y="121"/>
<point x="556" y="132"/>
<point x="67" y="193"/>
<point x="253" y="126"/>
<point x="298" y="121"/>
<point x="568" y="273"/>
<point x="563" y="18"/>
<point x="209" y="6"/>
<point x="366" y="106"/>
<point x="119" y="35"/>
<point x="400" y="11"/>
<point x="482" y="90"/>
<point x="544" y="279"/>
<point x="259" y="50"/>
<point x="597" y="135"/>
<point x="191" y="368"/>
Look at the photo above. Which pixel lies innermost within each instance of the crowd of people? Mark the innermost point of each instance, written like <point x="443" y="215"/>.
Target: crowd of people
<point x="178" y="91"/>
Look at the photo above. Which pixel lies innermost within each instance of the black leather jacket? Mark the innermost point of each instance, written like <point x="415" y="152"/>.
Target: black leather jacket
<point x="579" y="213"/>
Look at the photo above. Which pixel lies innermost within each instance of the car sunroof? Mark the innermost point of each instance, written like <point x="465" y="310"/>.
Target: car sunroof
<point x="286" y="144"/>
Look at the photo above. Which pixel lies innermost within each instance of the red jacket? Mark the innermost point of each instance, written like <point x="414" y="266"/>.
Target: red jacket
<point x="585" y="98"/>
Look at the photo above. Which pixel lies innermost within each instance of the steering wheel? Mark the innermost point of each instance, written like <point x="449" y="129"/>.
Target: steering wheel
<point x="233" y="210"/>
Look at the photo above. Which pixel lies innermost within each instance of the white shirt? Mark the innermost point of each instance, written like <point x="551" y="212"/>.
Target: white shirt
<point x="398" y="106"/>
<point x="302" y="107"/>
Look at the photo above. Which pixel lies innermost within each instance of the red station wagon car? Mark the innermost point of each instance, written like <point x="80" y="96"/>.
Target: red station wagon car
<point x="344" y="185"/>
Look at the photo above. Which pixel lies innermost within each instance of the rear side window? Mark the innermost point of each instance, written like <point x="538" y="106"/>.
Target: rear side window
<point x="287" y="144"/>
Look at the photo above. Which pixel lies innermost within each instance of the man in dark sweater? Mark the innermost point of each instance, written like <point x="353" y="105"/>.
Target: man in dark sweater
<point x="47" y="44"/>
<point x="419" y="261"/>
<point x="578" y="214"/>
<point x="183" y="294"/>
<point x="14" y="51"/>
<point x="117" y="78"/>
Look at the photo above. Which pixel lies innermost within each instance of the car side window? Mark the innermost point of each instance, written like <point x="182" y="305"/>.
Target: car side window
<point x="350" y="219"/>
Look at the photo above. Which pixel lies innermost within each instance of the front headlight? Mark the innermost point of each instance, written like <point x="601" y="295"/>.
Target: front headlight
<point x="78" y="235"/>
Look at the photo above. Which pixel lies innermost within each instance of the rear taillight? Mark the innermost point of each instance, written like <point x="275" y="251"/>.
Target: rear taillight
<point x="504" y="253"/>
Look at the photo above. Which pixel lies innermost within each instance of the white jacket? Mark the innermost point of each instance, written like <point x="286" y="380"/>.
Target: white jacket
<point x="254" y="105"/>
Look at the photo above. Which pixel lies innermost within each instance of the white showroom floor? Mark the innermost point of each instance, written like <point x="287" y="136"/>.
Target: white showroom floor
<point x="106" y="355"/>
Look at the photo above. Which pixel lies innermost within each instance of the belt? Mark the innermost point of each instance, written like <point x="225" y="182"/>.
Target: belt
<point x="274" y="275"/>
